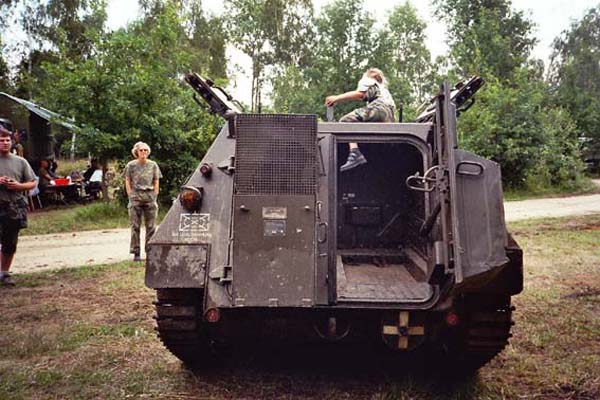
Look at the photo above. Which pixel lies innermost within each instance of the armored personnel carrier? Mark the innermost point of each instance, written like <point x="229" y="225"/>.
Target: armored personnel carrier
<point x="409" y="250"/>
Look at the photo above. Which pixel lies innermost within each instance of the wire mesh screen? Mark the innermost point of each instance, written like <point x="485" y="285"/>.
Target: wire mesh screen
<point x="275" y="154"/>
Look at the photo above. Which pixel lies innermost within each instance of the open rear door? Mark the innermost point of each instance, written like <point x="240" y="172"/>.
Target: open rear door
<point x="469" y="190"/>
<point x="480" y="215"/>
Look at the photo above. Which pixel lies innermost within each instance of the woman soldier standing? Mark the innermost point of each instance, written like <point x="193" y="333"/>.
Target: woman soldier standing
<point x="142" y="178"/>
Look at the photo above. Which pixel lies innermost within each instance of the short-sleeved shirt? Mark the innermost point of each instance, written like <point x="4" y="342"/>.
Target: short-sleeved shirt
<point x="18" y="169"/>
<point x="384" y="97"/>
<point x="142" y="177"/>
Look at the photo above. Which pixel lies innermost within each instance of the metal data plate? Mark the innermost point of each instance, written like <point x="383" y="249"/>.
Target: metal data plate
<point x="273" y="257"/>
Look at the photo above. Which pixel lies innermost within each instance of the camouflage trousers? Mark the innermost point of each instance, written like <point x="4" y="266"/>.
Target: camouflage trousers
<point x="371" y="113"/>
<point x="138" y="209"/>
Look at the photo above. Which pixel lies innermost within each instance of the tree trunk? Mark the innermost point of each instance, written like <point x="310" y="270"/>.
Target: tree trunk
<point x="105" y="196"/>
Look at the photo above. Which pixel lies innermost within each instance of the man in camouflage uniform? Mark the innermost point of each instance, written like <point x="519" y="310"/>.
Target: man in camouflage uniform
<point x="16" y="178"/>
<point x="142" y="178"/>
<point x="380" y="108"/>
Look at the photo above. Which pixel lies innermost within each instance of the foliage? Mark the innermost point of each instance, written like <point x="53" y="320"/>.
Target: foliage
<point x="486" y="37"/>
<point x="125" y="86"/>
<point x="534" y="141"/>
<point x="575" y="73"/>
<point x="514" y="120"/>
<point x="402" y="52"/>
<point x="342" y="51"/>
<point x="271" y="33"/>
<point x="71" y="25"/>
<point x="130" y="91"/>
<point x="98" y="215"/>
<point x="4" y="72"/>
<point x="54" y="29"/>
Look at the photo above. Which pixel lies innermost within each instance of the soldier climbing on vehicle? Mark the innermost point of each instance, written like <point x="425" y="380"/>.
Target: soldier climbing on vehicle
<point x="380" y="107"/>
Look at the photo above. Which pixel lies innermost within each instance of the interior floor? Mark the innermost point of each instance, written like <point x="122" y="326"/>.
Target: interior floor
<point x="374" y="282"/>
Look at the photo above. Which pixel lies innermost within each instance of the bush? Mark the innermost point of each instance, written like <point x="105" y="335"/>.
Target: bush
<point x="534" y="141"/>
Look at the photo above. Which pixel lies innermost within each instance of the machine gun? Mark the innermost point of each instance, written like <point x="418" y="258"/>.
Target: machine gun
<point x="461" y="95"/>
<point x="218" y="100"/>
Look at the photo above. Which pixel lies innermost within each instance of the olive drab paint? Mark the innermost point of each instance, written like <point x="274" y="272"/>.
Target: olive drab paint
<point x="391" y="247"/>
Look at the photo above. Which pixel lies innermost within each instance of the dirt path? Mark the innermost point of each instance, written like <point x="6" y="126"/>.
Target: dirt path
<point x="54" y="251"/>
<point x="44" y="252"/>
<point x="559" y="207"/>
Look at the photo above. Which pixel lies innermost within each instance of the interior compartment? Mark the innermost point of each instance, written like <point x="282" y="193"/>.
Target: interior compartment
<point x="380" y="255"/>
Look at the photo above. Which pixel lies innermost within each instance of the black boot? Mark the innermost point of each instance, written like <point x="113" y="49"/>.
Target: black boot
<point x="355" y="158"/>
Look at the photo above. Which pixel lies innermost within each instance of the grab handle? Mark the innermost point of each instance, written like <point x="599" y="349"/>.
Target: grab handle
<point x="466" y="171"/>
<point x="422" y="183"/>
<point x="322" y="232"/>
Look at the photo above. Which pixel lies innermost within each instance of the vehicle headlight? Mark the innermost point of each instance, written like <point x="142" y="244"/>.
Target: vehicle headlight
<point x="190" y="198"/>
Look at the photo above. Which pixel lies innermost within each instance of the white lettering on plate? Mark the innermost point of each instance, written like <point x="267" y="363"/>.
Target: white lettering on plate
<point x="194" y="223"/>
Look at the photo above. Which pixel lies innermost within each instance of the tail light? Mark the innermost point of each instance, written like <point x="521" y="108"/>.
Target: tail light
<point x="452" y="319"/>
<point x="190" y="198"/>
<point x="212" y="315"/>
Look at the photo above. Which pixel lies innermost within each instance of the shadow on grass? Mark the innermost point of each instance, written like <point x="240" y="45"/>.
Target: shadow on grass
<point x="323" y="371"/>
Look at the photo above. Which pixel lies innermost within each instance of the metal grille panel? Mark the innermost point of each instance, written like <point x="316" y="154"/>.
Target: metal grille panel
<point x="275" y="154"/>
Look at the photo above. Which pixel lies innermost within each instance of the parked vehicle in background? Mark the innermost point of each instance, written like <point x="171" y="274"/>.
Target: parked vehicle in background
<point x="590" y="154"/>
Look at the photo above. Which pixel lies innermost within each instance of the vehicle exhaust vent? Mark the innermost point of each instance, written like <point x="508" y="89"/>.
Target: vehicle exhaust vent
<point x="275" y="154"/>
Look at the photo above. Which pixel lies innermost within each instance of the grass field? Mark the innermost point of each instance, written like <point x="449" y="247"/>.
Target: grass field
<point x="88" y="334"/>
<point x="585" y="186"/>
<point x="97" y="215"/>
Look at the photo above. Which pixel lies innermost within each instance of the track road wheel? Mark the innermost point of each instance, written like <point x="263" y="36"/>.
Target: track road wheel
<point x="181" y="328"/>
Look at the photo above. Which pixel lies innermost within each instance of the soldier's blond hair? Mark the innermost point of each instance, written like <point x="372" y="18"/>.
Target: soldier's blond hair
<point x="137" y="146"/>
<point x="376" y="74"/>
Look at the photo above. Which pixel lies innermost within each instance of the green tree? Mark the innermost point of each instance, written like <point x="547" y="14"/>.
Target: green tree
<point x="486" y="37"/>
<point x="514" y="120"/>
<point x="206" y="35"/>
<point x="575" y="75"/>
<point x="71" y="25"/>
<point x="131" y="90"/>
<point x="208" y="43"/>
<point x="402" y="53"/>
<point x="54" y="28"/>
<point x="271" y="32"/>
<point x="344" y="47"/>
<point x="4" y="72"/>
<point x="532" y="139"/>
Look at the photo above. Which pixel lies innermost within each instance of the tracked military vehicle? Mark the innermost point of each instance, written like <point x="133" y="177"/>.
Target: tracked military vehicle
<point x="409" y="250"/>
